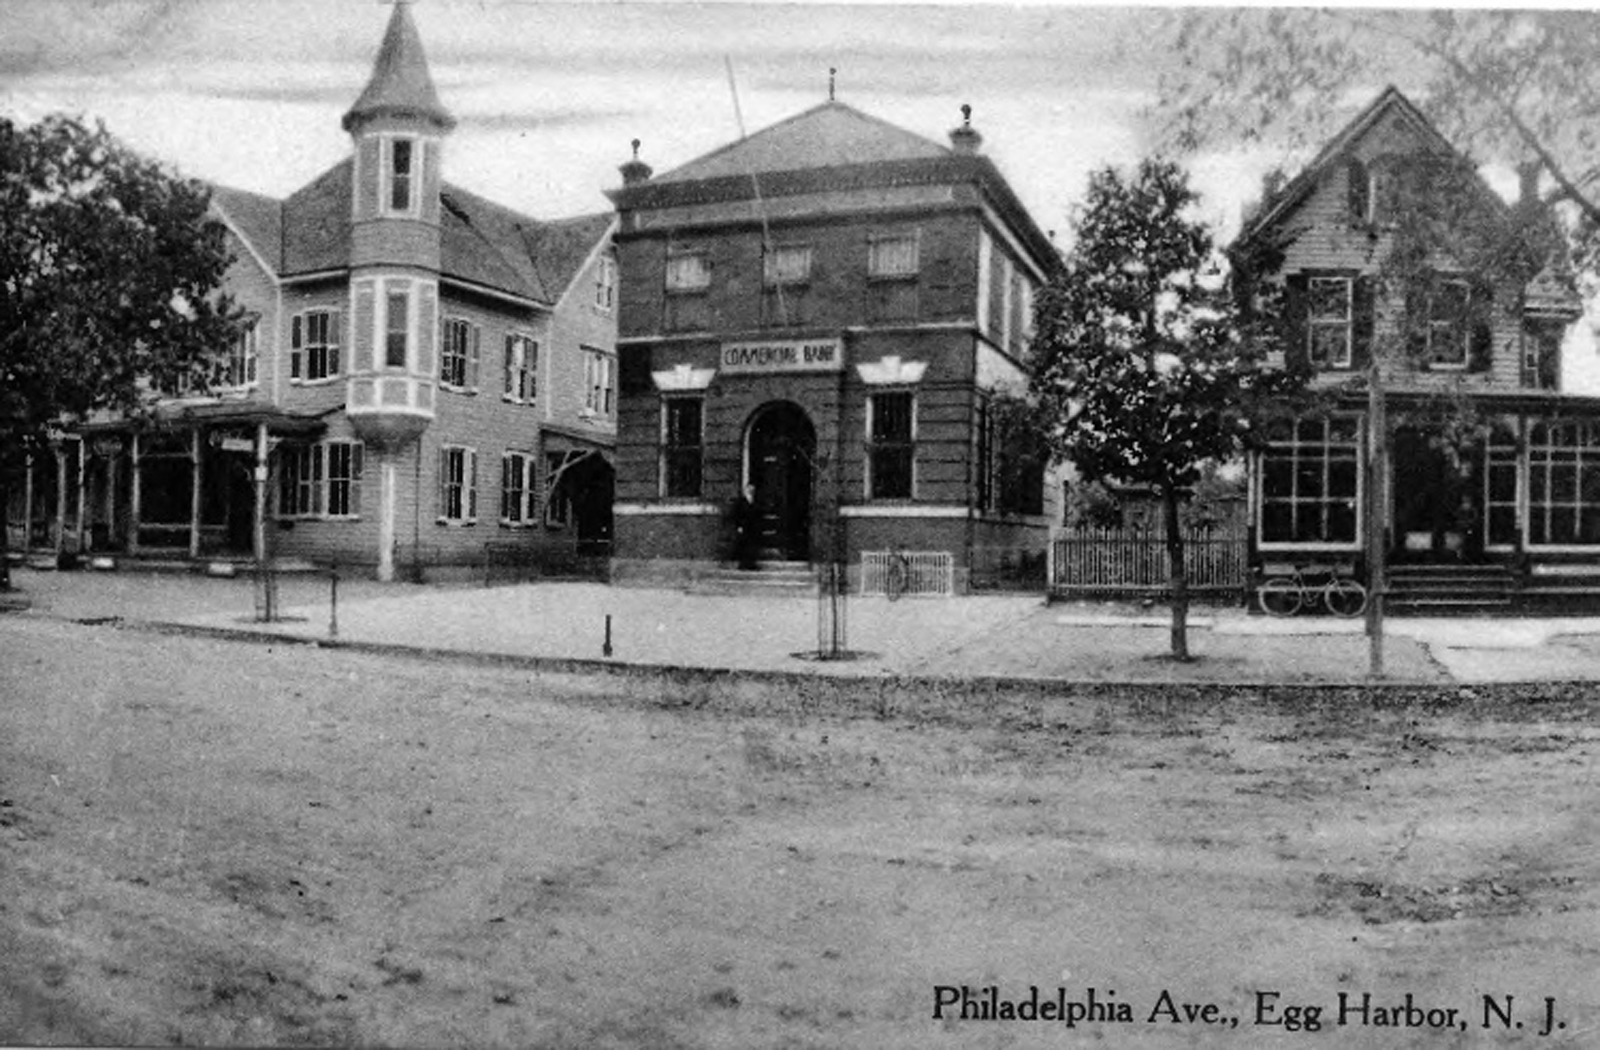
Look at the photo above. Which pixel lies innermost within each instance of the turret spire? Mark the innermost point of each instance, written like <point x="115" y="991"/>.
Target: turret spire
<point x="401" y="85"/>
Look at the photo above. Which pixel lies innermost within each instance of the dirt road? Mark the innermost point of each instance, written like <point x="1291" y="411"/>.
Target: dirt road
<point x="210" y="842"/>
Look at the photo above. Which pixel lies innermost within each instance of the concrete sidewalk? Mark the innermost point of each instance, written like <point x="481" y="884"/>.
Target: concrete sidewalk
<point x="1009" y="636"/>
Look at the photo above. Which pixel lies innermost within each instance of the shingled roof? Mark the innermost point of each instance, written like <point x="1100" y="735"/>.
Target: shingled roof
<point x="825" y="136"/>
<point x="401" y="85"/>
<point x="481" y="242"/>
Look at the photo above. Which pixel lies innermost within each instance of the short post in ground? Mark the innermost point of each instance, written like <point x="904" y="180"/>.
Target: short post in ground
<point x="605" y="647"/>
<point x="333" y="602"/>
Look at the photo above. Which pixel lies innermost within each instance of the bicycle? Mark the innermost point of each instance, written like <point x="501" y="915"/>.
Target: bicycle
<point x="1287" y="595"/>
<point x="896" y="574"/>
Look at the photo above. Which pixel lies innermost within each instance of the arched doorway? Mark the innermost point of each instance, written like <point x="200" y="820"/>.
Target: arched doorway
<point x="780" y="449"/>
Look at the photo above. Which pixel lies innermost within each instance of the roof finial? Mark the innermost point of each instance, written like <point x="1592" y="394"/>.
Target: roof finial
<point x="831" y="71"/>
<point x="635" y="171"/>
<point x="965" y="139"/>
<point x="635" y="149"/>
<point x="966" y="115"/>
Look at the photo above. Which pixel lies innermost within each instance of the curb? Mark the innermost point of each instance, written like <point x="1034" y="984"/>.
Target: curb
<point x="1389" y="691"/>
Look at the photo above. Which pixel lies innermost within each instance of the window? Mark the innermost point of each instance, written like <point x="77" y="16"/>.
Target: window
<point x="243" y="361"/>
<point x="1564" y="484"/>
<point x="516" y="488"/>
<point x="1449" y="324"/>
<point x="320" y="480"/>
<point x="344" y="478"/>
<point x="1310" y="482"/>
<point x="458" y="354"/>
<point x="300" y="481"/>
<point x="605" y="284"/>
<point x="1328" y="321"/>
<point x="1500" y="488"/>
<point x="890" y="448"/>
<point x="522" y="368"/>
<point x="680" y="447"/>
<point x="892" y="279"/>
<point x="787" y="264"/>
<point x="458" y="485"/>
<point x="397" y="329"/>
<point x="688" y="279"/>
<point x="400" y="174"/>
<point x="688" y="272"/>
<point x="314" y="345"/>
<point x="1358" y="189"/>
<point x="599" y="382"/>
<point x="892" y="257"/>
<point x="786" y="269"/>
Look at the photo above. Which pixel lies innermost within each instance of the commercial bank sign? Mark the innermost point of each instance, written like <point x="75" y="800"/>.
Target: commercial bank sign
<point x="784" y="355"/>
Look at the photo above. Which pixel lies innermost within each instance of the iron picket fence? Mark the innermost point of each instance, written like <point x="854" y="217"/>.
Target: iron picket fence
<point x="1115" y="562"/>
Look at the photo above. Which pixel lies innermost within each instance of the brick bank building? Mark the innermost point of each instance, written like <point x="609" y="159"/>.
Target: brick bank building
<point x="825" y="311"/>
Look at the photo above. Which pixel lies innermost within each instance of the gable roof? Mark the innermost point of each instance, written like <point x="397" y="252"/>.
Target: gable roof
<point x="829" y="135"/>
<point x="481" y="242"/>
<point x="257" y="218"/>
<point x="401" y="85"/>
<point x="1389" y="101"/>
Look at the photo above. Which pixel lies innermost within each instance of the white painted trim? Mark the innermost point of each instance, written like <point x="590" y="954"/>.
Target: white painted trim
<point x="891" y="370"/>
<point x="906" y="510"/>
<point x="993" y="218"/>
<point x="260" y="260"/>
<point x="600" y="247"/>
<point x="492" y="293"/>
<point x="642" y="510"/>
<point x="683" y="379"/>
<point x="316" y="275"/>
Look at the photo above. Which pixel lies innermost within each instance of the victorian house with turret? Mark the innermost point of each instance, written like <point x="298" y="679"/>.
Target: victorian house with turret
<point x="429" y="372"/>
<point x="1452" y="445"/>
<point x="825" y="315"/>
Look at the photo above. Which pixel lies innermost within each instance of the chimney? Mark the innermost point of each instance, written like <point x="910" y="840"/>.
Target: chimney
<point x="966" y="139"/>
<point x="635" y="171"/>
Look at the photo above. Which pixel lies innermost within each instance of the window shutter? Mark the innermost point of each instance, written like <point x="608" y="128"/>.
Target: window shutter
<point x="357" y="468"/>
<point x="444" y="482"/>
<point x="472" y="367"/>
<point x="335" y="337"/>
<point x="1480" y="345"/>
<point x="316" y="479"/>
<point x="513" y="384"/>
<point x="1296" y="337"/>
<point x="364" y="344"/>
<point x="505" y="487"/>
<point x="532" y="366"/>
<point x="469" y="482"/>
<point x="1363" y="307"/>
<point x="296" y="340"/>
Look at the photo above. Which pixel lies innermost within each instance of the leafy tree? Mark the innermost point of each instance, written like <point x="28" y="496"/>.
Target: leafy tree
<point x="109" y="274"/>
<point x="1514" y="87"/>
<point x="1145" y="371"/>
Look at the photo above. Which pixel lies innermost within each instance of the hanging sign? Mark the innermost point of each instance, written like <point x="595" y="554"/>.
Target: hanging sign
<point x="784" y="355"/>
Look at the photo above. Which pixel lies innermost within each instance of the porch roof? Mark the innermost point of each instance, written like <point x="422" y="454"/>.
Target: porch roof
<point x="278" y="420"/>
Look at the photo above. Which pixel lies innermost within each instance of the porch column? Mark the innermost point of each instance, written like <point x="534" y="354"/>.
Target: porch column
<point x="258" y="540"/>
<point x="134" y="486"/>
<point x="195" y="478"/>
<point x="386" y="519"/>
<point x="111" y="497"/>
<point x="83" y="489"/>
<point x="60" y="538"/>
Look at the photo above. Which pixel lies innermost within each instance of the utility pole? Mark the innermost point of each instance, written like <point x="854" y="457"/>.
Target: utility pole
<point x="1376" y="517"/>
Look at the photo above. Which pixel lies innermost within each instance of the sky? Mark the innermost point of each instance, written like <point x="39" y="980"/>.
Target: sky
<point x="249" y="93"/>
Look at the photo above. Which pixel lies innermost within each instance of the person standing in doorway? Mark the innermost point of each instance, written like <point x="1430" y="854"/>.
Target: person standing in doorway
<point x="746" y="528"/>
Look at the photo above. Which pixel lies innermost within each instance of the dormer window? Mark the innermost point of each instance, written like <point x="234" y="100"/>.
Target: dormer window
<point x="1358" y="188"/>
<point x="400" y="172"/>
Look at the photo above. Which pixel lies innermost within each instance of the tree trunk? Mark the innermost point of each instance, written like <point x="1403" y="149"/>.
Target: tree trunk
<point x="1178" y="577"/>
<point x="5" y="523"/>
